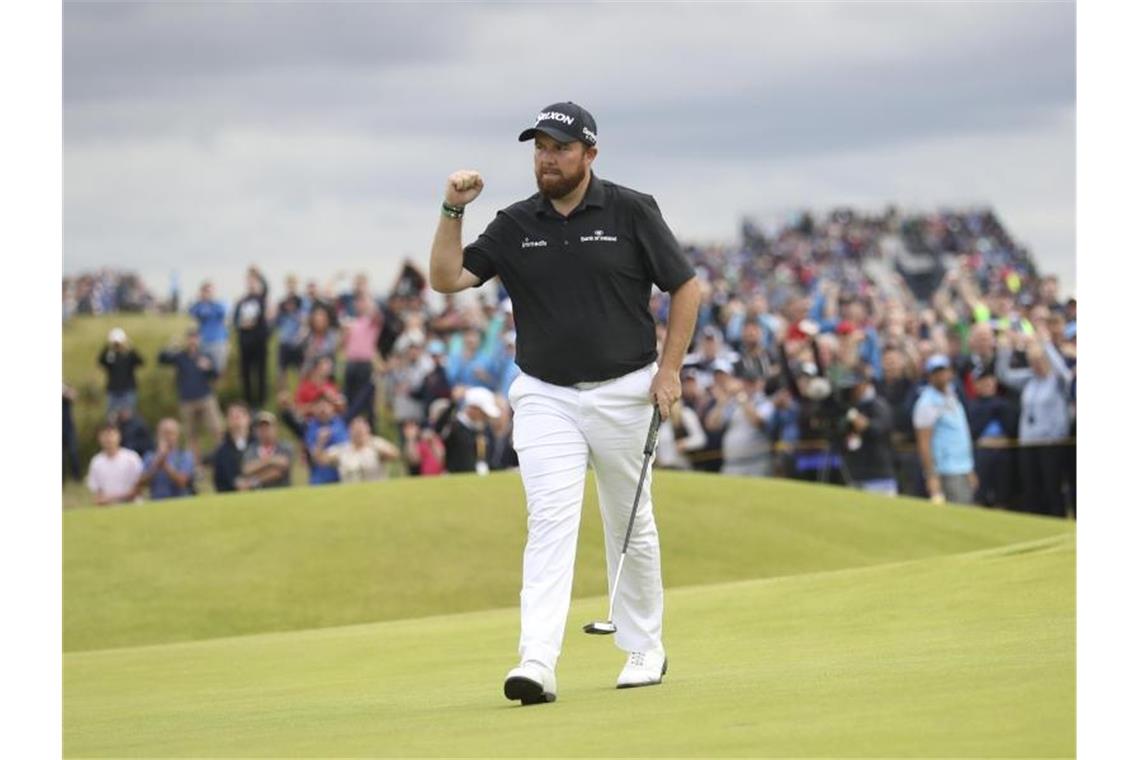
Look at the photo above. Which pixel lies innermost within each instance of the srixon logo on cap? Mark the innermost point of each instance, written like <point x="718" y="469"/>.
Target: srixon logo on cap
<point x="554" y="115"/>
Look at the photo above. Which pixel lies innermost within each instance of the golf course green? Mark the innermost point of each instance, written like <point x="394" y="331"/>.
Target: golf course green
<point x="380" y="619"/>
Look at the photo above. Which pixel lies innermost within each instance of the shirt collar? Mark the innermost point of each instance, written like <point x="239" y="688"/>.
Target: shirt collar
<point x="595" y="196"/>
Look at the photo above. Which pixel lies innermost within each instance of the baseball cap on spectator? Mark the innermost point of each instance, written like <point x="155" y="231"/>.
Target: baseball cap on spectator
<point x="264" y="418"/>
<point x="722" y="365"/>
<point x="436" y="347"/>
<point x="565" y="122"/>
<point x="937" y="362"/>
<point x="846" y="327"/>
<point x="117" y="335"/>
<point x="481" y="398"/>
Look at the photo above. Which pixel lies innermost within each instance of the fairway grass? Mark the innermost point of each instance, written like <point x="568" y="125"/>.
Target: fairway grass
<point x="380" y="620"/>
<point x="962" y="656"/>
<point x="315" y="557"/>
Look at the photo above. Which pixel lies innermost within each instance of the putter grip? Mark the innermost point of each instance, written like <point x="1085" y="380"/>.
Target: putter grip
<point x="654" y="426"/>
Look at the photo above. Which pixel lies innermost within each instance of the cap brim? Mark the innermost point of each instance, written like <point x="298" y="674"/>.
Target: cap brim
<point x="557" y="134"/>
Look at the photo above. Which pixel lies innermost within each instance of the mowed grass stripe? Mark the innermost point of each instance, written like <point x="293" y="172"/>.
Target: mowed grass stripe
<point x="968" y="656"/>
<point x="312" y="557"/>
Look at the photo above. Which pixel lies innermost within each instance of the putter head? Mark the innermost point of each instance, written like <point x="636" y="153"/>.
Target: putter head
<point x="600" y="627"/>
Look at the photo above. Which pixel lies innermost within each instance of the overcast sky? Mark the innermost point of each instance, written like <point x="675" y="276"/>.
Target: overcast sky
<point x="311" y="138"/>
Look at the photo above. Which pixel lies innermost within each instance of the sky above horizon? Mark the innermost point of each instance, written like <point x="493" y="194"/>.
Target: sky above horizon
<point x="315" y="138"/>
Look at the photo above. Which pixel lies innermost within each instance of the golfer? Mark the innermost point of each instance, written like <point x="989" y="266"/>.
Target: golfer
<point x="579" y="259"/>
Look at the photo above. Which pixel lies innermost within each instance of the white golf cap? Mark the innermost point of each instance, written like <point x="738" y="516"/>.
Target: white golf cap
<point x="117" y="335"/>
<point x="481" y="398"/>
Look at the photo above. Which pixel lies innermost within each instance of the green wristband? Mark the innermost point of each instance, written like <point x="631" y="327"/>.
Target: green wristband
<point x="454" y="212"/>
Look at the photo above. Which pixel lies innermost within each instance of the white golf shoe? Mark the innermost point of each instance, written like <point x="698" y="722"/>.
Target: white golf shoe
<point x="643" y="669"/>
<point x="531" y="683"/>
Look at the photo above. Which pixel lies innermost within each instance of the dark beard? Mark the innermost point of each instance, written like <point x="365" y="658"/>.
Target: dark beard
<point x="553" y="188"/>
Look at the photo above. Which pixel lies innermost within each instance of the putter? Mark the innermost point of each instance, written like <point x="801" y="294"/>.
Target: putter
<point x="606" y="627"/>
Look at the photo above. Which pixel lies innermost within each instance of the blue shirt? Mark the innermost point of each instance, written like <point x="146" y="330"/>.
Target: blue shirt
<point x="461" y="370"/>
<point x="193" y="381"/>
<point x="211" y="316"/>
<point x="320" y="474"/>
<point x="950" y="444"/>
<point x="162" y="486"/>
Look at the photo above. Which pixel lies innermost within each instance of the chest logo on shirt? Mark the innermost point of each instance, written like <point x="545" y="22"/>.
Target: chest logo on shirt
<point x="599" y="236"/>
<point x="528" y="243"/>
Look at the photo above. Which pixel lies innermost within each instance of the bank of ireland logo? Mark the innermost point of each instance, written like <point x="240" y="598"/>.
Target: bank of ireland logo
<point x="599" y="236"/>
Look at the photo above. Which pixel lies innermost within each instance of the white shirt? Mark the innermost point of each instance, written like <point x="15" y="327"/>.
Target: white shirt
<point x="114" y="477"/>
<point x="669" y="454"/>
<point x="357" y="465"/>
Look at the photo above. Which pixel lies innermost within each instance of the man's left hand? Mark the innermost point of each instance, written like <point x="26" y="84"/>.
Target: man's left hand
<point x="665" y="389"/>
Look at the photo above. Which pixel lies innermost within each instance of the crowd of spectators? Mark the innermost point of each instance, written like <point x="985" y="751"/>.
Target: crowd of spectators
<point x="105" y="292"/>
<point x="920" y="354"/>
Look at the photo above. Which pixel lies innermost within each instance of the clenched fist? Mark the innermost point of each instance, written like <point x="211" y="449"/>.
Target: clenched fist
<point x="463" y="187"/>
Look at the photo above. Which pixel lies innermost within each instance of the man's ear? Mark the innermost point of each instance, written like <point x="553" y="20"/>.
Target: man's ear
<point x="591" y="153"/>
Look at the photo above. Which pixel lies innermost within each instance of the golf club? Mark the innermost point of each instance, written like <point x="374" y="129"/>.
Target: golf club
<point x="605" y="627"/>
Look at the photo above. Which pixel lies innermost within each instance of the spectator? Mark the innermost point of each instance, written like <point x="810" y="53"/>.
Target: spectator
<point x="679" y="436"/>
<point x="742" y="414"/>
<point x="119" y="360"/>
<point x="710" y="349"/>
<point x="321" y="338"/>
<point x="363" y="457"/>
<point x="197" y="404"/>
<point x="993" y="425"/>
<point x="318" y="383"/>
<point x="290" y="326"/>
<point x="322" y="431"/>
<point x="943" y="435"/>
<point x="435" y="385"/>
<point x="506" y="369"/>
<point x="228" y="459"/>
<point x="1044" y="423"/>
<point x="465" y="433"/>
<point x="753" y="361"/>
<point x="169" y="469"/>
<point x="423" y="449"/>
<point x="133" y="431"/>
<point x="267" y="463"/>
<point x="252" y="325"/>
<point x="70" y="437"/>
<point x="362" y="331"/>
<point x="314" y="299"/>
<point x="211" y="316"/>
<point x="406" y="371"/>
<point x="114" y="471"/>
<point x="468" y="364"/>
<point x="900" y="391"/>
<point x="867" y="435"/>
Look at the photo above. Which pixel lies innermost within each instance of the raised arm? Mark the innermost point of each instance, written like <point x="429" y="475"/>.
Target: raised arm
<point x="1013" y="378"/>
<point x="446" y="273"/>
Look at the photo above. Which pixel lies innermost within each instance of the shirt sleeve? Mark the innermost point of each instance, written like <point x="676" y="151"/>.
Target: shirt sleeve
<point x="925" y="414"/>
<point x="480" y="257"/>
<point x="668" y="267"/>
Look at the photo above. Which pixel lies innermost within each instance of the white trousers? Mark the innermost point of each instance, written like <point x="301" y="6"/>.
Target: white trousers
<point x="557" y="431"/>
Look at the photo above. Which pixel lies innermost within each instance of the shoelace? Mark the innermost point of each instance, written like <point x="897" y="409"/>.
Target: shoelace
<point x="637" y="659"/>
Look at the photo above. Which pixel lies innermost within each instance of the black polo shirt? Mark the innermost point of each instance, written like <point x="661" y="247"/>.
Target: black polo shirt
<point x="580" y="284"/>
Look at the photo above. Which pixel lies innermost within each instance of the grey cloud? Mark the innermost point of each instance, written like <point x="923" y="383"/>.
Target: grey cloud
<point x="197" y="128"/>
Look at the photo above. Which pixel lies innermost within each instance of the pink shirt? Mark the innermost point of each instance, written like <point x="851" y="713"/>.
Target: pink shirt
<point x="361" y="335"/>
